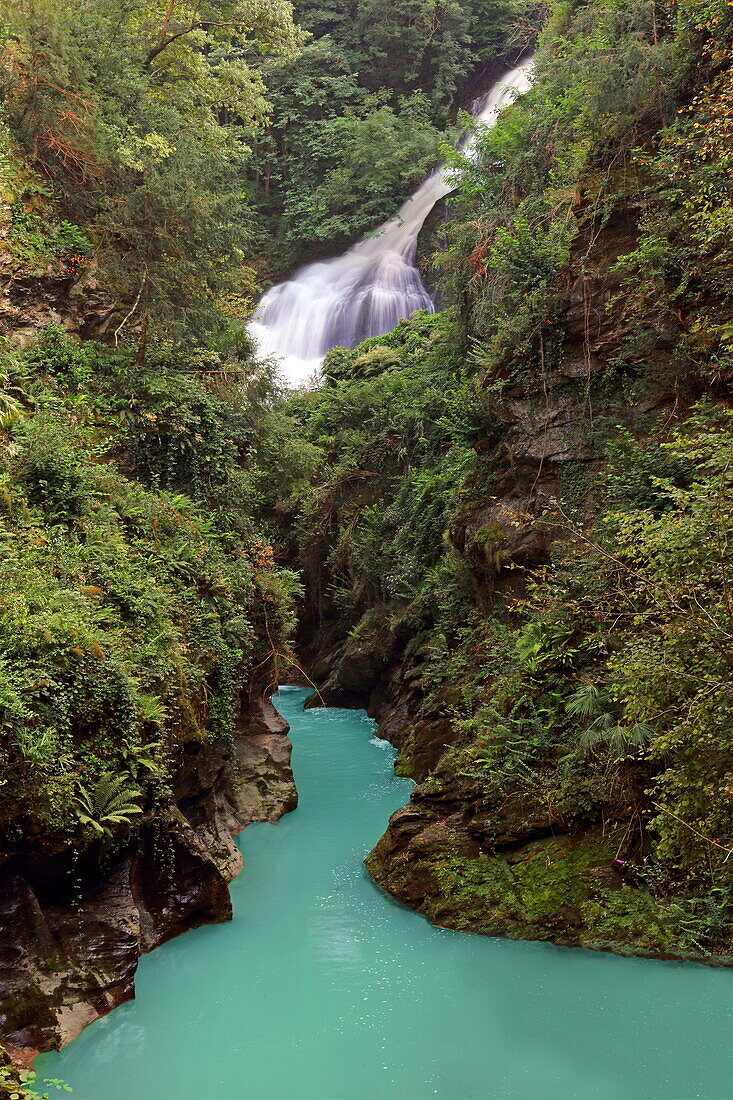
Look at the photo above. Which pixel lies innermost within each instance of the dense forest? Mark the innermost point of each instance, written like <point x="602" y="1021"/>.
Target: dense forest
<point x="506" y="527"/>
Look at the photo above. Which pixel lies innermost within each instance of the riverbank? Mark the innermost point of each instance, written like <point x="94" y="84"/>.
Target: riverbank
<point x="322" y="987"/>
<point x="72" y="935"/>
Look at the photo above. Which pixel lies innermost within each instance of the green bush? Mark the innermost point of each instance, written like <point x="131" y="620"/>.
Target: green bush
<point x="132" y="616"/>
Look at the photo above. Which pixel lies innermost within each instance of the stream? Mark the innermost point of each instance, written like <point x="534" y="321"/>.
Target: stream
<point x="322" y="988"/>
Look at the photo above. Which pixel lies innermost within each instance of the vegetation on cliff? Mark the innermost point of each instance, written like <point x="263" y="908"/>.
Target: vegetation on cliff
<point x="137" y="119"/>
<point x="511" y="520"/>
<point x="139" y="595"/>
<point x="532" y="490"/>
<point x="142" y="614"/>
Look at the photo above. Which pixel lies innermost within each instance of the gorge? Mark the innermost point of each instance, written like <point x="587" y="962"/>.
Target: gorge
<point x="466" y="476"/>
<point x="320" y="980"/>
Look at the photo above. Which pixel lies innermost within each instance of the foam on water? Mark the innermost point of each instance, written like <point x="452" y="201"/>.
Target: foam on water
<point x="380" y="743"/>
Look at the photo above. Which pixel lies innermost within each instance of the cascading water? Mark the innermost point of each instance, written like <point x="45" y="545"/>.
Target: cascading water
<point x="365" y="292"/>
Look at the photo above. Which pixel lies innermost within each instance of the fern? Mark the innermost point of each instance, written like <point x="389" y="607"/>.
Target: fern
<point x="109" y="803"/>
<point x="606" y="733"/>
<point x="586" y="702"/>
<point x="11" y="411"/>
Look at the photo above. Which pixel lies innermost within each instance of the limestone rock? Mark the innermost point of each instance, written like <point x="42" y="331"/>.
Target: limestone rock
<point x="71" y="934"/>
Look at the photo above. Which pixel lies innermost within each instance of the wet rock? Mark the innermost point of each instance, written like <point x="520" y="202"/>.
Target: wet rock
<point x="63" y="965"/>
<point x="546" y="886"/>
<point x="356" y="665"/>
<point x="177" y="883"/>
<point x="71" y="934"/>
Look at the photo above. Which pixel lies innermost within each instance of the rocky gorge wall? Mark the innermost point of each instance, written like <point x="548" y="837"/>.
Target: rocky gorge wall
<point x="77" y="912"/>
<point x="521" y="862"/>
<point x="72" y="933"/>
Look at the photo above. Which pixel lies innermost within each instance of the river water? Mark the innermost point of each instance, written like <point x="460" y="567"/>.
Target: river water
<point x="323" y="989"/>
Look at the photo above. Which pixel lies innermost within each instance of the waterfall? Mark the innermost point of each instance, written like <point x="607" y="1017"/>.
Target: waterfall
<point x="365" y="292"/>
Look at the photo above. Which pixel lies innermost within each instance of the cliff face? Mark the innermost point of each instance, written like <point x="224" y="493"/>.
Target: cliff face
<point x="71" y="933"/>
<point x="63" y="295"/>
<point x="533" y="856"/>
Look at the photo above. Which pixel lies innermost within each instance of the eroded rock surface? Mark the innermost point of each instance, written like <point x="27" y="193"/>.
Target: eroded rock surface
<point x="71" y="934"/>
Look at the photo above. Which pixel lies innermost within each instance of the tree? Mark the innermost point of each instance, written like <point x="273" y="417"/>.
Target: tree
<point x="141" y="113"/>
<point x="355" y="168"/>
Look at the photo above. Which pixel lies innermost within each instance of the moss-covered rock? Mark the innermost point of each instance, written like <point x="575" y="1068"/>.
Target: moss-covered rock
<point x="563" y="889"/>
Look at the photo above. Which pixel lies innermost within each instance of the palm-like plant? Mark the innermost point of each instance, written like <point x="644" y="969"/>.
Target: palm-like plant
<point x="11" y="410"/>
<point x="110" y="802"/>
<point x="605" y="732"/>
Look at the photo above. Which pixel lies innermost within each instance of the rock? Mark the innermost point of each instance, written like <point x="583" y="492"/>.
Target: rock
<point x="64" y="965"/>
<point x="547" y="430"/>
<point x="505" y="532"/>
<point x="71" y="936"/>
<point x="60" y="296"/>
<point x="356" y="665"/>
<point x="578" y="366"/>
<point x="545" y="884"/>
<point x="177" y="883"/>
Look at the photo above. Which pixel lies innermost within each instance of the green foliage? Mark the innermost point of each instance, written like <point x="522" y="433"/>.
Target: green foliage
<point x="109" y="803"/>
<point x="606" y="75"/>
<point x="140" y="116"/>
<point x="357" y="115"/>
<point x="672" y="672"/>
<point x="169" y="143"/>
<point x="138" y="593"/>
<point x="650" y="588"/>
<point x="396" y="426"/>
<point x="352" y="169"/>
<point x="683" y="257"/>
<point x="604" y="733"/>
<point x="413" y="45"/>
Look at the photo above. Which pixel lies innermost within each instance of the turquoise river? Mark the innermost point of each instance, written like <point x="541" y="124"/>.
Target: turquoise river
<point x="322" y="988"/>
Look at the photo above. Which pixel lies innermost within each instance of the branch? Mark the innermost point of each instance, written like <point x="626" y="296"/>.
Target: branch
<point x="135" y="304"/>
<point x="702" y="836"/>
<point x="198" y="25"/>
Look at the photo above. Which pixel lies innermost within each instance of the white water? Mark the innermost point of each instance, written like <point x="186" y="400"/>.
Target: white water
<point x="365" y="292"/>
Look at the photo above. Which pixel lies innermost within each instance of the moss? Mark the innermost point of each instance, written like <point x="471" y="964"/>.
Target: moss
<point x="374" y="361"/>
<point x="31" y="1008"/>
<point x="403" y="767"/>
<point x="530" y="893"/>
<point x="560" y="889"/>
<point x="477" y="891"/>
<point x="629" y="916"/>
<point x="575" y="488"/>
<point x="491" y="540"/>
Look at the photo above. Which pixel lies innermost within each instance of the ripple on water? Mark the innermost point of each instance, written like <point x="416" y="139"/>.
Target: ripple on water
<point x="322" y="988"/>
